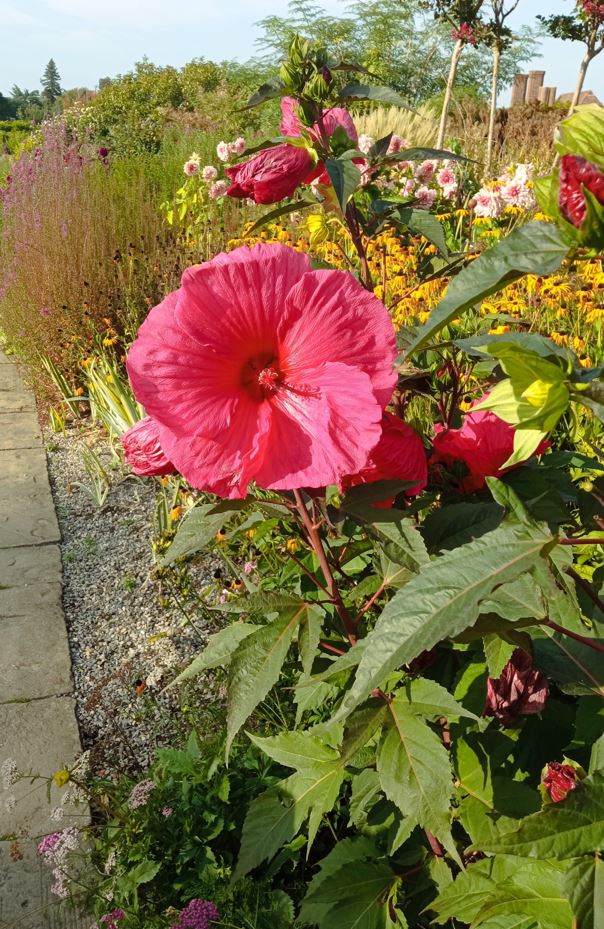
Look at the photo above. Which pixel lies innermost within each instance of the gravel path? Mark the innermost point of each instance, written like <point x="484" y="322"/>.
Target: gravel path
<point x="126" y="644"/>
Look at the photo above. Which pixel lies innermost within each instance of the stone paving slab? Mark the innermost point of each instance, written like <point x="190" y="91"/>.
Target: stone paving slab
<point x="19" y="430"/>
<point x="21" y="871"/>
<point x="38" y="727"/>
<point x="35" y="657"/>
<point x="27" y="513"/>
<point x="42" y="737"/>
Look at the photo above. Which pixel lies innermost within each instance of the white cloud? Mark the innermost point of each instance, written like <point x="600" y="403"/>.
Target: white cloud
<point x="11" y="16"/>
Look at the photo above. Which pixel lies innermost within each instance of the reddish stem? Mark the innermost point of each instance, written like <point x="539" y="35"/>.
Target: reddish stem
<point x="369" y="604"/>
<point x="317" y="546"/>
<point x="332" y="648"/>
<point x="310" y="575"/>
<point x="590" y="643"/>
<point x="572" y="541"/>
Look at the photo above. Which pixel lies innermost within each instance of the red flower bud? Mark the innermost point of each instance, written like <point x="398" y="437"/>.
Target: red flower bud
<point x="271" y="175"/>
<point x="143" y="451"/>
<point x="559" y="780"/>
<point x="577" y="173"/>
<point x="520" y="690"/>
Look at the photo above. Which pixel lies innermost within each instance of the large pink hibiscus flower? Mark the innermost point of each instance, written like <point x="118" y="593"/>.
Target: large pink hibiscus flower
<point x="259" y="369"/>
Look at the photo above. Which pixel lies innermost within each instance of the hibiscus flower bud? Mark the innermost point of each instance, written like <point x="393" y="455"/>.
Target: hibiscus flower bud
<point x="577" y="173"/>
<point x="271" y="175"/>
<point x="559" y="780"/>
<point x="142" y="449"/>
<point x="520" y="690"/>
<point x="399" y="455"/>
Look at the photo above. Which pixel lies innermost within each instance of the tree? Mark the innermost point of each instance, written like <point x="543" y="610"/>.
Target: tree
<point x="463" y="16"/>
<point x="51" y="83"/>
<point x="585" y="25"/>
<point x="498" y="37"/>
<point x="8" y="110"/>
<point x="27" y="103"/>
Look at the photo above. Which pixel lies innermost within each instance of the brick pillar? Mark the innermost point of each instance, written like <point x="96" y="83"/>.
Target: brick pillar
<point x="519" y="89"/>
<point x="552" y="93"/>
<point x="535" y="81"/>
<point x="542" y="95"/>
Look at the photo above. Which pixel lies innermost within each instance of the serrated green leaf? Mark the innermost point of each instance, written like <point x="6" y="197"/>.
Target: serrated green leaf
<point x="196" y="531"/>
<point x="442" y="601"/>
<point x="357" y="903"/>
<point x="534" y="248"/>
<point x="568" y="829"/>
<point x="346" y="852"/>
<point x="415" y="772"/>
<point x="309" y="634"/>
<point x="584" y="886"/>
<point x="267" y="91"/>
<point x="219" y="650"/>
<point x="380" y="94"/>
<point x="296" y="749"/>
<point x="471" y="888"/>
<point x="454" y="525"/>
<point x="596" y="761"/>
<point x="271" y="821"/>
<point x="344" y="176"/>
<point x="255" y="668"/>
<point x="272" y="215"/>
<point x="427" y="698"/>
<point x="497" y="653"/>
<point x="533" y="892"/>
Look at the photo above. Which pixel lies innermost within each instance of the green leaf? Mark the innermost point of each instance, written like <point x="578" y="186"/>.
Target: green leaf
<point x="296" y="749"/>
<point x="427" y="698"/>
<point x="292" y="207"/>
<point x="463" y="899"/>
<point x="309" y="635"/>
<point x="454" y="525"/>
<point x="196" y="531"/>
<point x="267" y="91"/>
<point x="442" y="601"/>
<point x="584" y="887"/>
<point x="377" y="93"/>
<point x="583" y="134"/>
<point x="347" y="852"/>
<point x="497" y="653"/>
<point x="271" y="821"/>
<point x="419" y="222"/>
<point x="596" y="761"/>
<point x="345" y="177"/>
<point x="568" y="829"/>
<point x="415" y="772"/>
<point x="255" y="667"/>
<point x="427" y="154"/>
<point x="534" y="248"/>
<point x="262" y="603"/>
<point x="219" y="650"/>
<point x="354" y="897"/>
<point x="517" y="599"/>
<point x="534" y="892"/>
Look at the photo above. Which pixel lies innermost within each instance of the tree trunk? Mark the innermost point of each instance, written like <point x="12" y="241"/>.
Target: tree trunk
<point x="491" y="135"/>
<point x="580" y="82"/>
<point x="448" y="93"/>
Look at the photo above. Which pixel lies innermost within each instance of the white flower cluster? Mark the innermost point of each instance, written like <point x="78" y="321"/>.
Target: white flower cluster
<point x="513" y="189"/>
<point x="9" y="773"/>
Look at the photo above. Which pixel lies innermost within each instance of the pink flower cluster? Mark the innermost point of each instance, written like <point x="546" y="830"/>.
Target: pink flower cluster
<point x="209" y="174"/>
<point x="424" y="183"/>
<point x="464" y="33"/>
<point x="596" y="10"/>
<point x="225" y="150"/>
<point x="512" y="189"/>
<point x="198" y="914"/>
<point x="111" y="920"/>
<point x="140" y="794"/>
<point x="54" y="850"/>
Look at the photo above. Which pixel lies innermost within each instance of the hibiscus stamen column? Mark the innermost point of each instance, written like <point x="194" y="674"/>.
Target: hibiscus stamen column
<point x="316" y="544"/>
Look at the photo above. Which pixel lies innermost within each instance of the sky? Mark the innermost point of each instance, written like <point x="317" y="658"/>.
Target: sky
<point x="90" y="39"/>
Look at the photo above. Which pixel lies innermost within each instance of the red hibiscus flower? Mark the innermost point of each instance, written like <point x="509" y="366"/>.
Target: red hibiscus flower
<point x="520" y="690"/>
<point x="271" y="175"/>
<point x="577" y="175"/>
<point x="483" y="444"/>
<point x="399" y="455"/>
<point x="143" y="451"/>
<point x="260" y="369"/>
<point x="559" y="780"/>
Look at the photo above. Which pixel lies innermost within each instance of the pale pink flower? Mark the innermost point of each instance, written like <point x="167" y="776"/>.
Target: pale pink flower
<point x="249" y="566"/>
<point x="396" y="144"/>
<point x="237" y="147"/>
<point x="425" y="198"/>
<point x="365" y="142"/>
<point x="332" y="119"/>
<point x="209" y="174"/>
<point x="222" y="150"/>
<point x="142" y="450"/>
<point x="218" y="189"/>
<point x="261" y="369"/>
<point x="445" y="177"/>
<point x="488" y="203"/>
<point x="223" y="595"/>
<point x="450" y="191"/>
<point x="408" y="187"/>
<point x="425" y="171"/>
<point x="191" y="168"/>
<point x="167" y="811"/>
